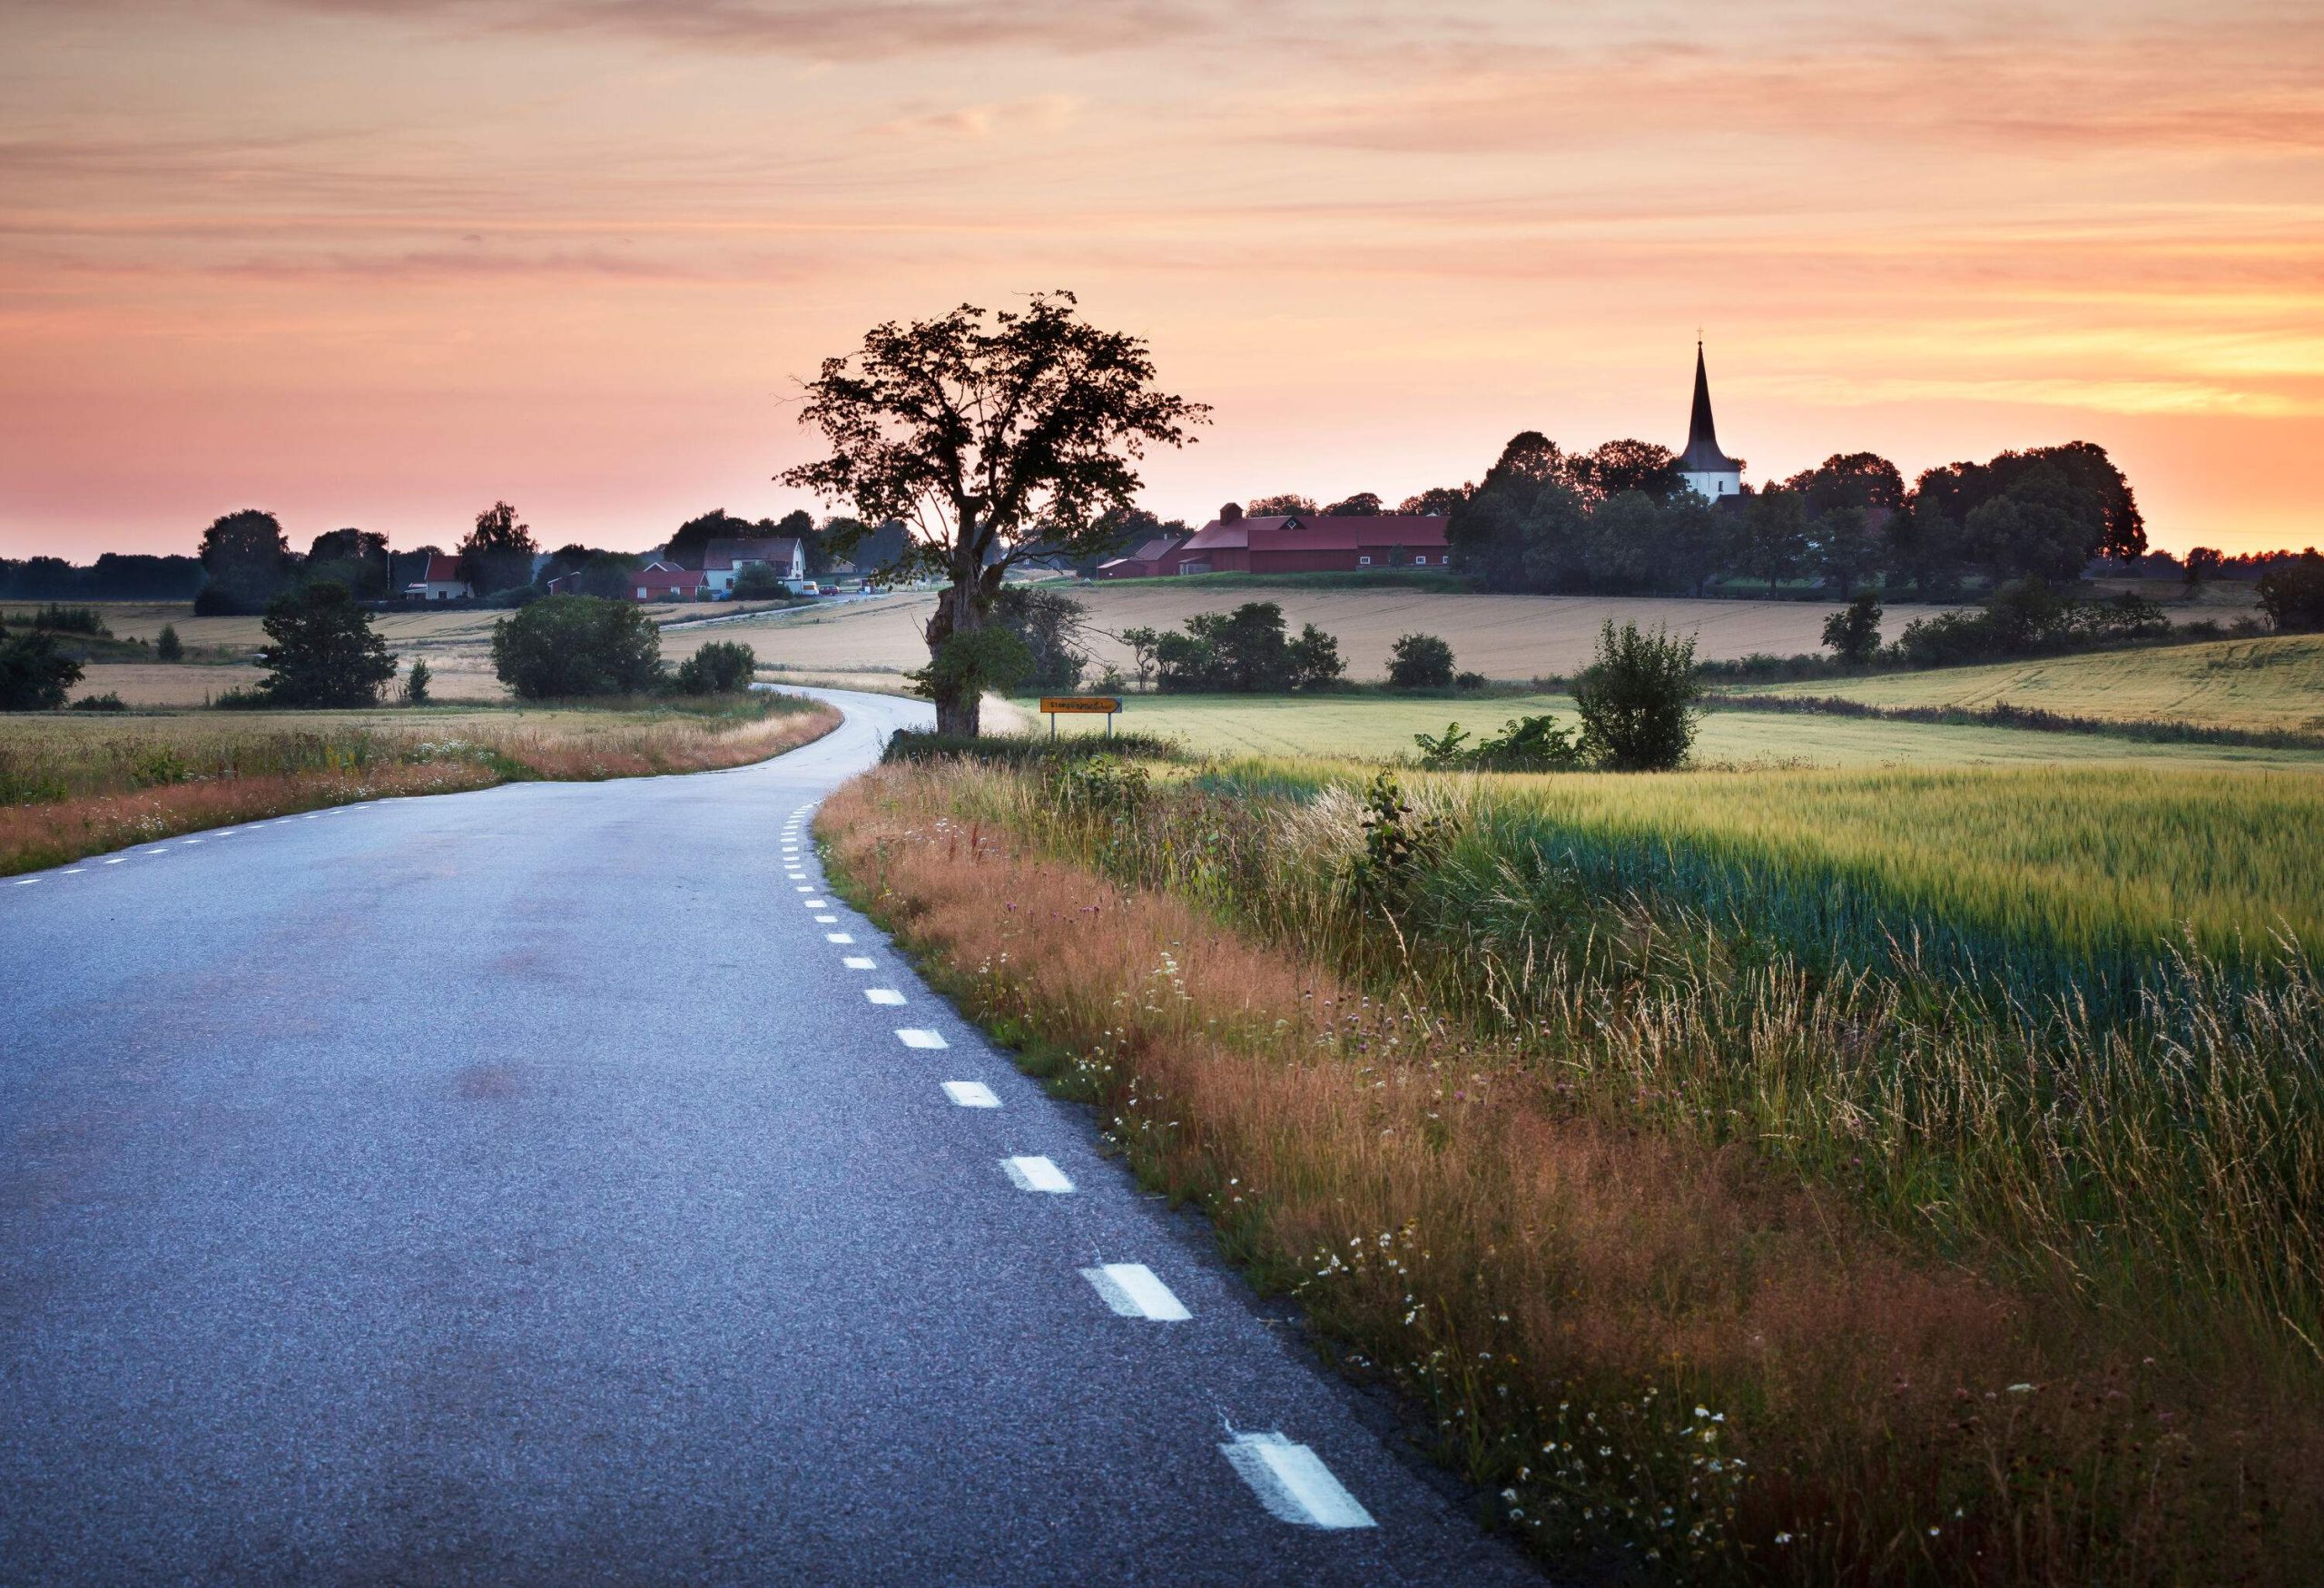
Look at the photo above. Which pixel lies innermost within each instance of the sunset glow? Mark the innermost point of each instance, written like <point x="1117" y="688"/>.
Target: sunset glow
<point x="380" y="262"/>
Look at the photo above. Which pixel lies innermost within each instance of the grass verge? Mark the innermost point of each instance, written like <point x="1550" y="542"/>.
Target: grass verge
<point x="1654" y="1224"/>
<point x="75" y="786"/>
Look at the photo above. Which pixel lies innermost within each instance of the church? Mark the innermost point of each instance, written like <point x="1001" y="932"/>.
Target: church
<point x="1712" y="472"/>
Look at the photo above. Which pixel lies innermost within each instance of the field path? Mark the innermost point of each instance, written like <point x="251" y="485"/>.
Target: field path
<point x="538" y="1186"/>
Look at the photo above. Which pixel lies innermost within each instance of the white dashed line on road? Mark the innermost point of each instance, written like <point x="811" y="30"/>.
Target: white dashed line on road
<point x="806" y="888"/>
<point x="1132" y="1291"/>
<point x="816" y="903"/>
<point x="913" y="1037"/>
<point x="1036" y="1174"/>
<point x="28" y="882"/>
<point x="827" y="921"/>
<point x="883" y="995"/>
<point x="117" y="860"/>
<point x="971" y="1094"/>
<point x="857" y="962"/>
<point x="1293" y="1483"/>
<point x="838" y="937"/>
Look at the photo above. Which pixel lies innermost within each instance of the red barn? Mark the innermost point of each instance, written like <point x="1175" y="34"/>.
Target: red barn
<point x="1314" y="544"/>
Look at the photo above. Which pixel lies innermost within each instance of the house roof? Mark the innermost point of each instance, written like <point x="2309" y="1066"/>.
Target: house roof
<point x="670" y="579"/>
<point x="443" y="568"/>
<point x="1702" y="455"/>
<point x="1153" y="550"/>
<point x="725" y="556"/>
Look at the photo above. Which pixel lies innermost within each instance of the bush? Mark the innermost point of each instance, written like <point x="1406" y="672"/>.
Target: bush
<point x="563" y="646"/>
<point x="109" y="700"/>
<point x="2293" y="596"/>
<point x="1529" y="744"/>
<point x="72" y="620"/>
<point x="720" y="667"/>
<point x="1095" y="785"/>
<point x="1639" y="700"/>
<point x="758" y="582"/>
<point x="168" y="647"/>
<point x="1420" y="661"/>
<point x="324" y="652"/>
<point x="1469" y="680"/>
<point x="35" y="676"/>
<point x="415" y="686"/>
<point x="1853" y="633"/>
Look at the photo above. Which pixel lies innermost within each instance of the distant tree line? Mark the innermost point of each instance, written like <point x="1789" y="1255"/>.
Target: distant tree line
<point x="1621" y="519"/>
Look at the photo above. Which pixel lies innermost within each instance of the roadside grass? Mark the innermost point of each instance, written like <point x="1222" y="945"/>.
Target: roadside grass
<point x="76" y="785"/>
<point x="2267" y="684"/>
<point x="1375" y="727"/>
<point x="1696" y="1258"/>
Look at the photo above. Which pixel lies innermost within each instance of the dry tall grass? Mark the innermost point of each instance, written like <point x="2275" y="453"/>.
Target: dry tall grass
<point x="73" y="786"/>
<point x="1639" y="1336"/>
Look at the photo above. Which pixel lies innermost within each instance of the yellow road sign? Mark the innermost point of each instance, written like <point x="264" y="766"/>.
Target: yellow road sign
<point x="1105" y="704"/>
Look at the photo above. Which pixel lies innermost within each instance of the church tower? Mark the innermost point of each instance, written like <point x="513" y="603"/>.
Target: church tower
<point x="1712" y="472"/>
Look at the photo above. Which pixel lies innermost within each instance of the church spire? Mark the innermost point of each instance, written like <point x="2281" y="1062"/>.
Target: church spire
<point x="1702" y="455"/>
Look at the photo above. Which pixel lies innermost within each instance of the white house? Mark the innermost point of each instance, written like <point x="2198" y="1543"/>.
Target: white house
<point x="441" y="580"/>
<point x="722" y="560"/>
<point x="1712" y="472"/>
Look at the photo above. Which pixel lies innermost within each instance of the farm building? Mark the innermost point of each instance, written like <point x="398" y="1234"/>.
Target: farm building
<point x="722" y="560"/>
<point x="660" y="580"/>
<point x="1311" y="543"/>
<point x="1144" y="561"/>
<point x="441" y="580"/>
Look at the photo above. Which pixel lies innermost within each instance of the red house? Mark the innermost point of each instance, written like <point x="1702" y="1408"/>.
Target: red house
<point x="1310" y="543"/>
<point x="667" y="581"/>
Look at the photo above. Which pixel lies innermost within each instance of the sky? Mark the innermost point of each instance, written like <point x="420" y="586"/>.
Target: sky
<point x="382" y="262"/>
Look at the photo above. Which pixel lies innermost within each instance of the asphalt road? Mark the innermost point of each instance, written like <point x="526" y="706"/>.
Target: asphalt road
<point x="528" y="1187"/>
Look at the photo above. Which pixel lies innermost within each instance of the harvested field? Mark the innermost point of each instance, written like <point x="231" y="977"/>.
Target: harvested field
<point x="2274" y="683"/>
<point x="1512" y="637"/>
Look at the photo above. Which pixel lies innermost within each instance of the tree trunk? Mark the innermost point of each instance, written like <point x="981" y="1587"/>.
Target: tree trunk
<point x="959" y="710"/>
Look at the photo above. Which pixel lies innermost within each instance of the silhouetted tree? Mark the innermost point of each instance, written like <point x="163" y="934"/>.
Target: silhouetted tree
<point x="984" y="434"/>
<point x="322" y="651"/>
<point x="498" y="554"/>
<point x="1364" y="504"/>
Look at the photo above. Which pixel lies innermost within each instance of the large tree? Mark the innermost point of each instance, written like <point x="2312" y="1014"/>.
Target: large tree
<point x="989" y="435"/>
<point x="498" y="554"/>
<point x="323" y="651"/>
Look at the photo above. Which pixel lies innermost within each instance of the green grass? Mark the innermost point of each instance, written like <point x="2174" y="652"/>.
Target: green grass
<point x="2272" y="683"/>
<point x="1953" y="1000"/>
<point x="1380" y="729"/>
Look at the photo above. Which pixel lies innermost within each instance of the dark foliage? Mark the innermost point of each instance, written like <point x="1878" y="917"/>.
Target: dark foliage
<point x="35" y="676"/>
<point x="2292" y="595"/>
<point x="1852" y="633"/>
<point x="322" y="650"/>
<point x="569" y="646"/>
<point x="719" y="668"/>
<point x="991" y="437"/>
<point x="1420" y="661"/>
<point x="1639" y="699"/>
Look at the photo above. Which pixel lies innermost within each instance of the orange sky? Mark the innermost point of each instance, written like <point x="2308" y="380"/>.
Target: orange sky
<point x="382" y="262"/>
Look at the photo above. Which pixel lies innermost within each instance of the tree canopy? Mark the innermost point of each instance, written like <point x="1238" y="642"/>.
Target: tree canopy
<point x="985" y="435"/>
<point x="322" y="650"/>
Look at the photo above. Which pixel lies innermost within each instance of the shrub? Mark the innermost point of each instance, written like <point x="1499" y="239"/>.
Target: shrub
<point x="109" y="700"/>
<point x="1529" y="744"/>
<point x="72" y="620"/>
<point x="168" y="647"/>
<point x="1468" y="680"/>
<point x="2293" y="596"/>
<point x="720" y="667"/>
<point x="1639" y="700"/>
<point x="415" y="686"/>
<point x="1097" y="784"/>
<point x="562" y="647"/>
<point x="35" y="676"/>
<point x="1853" y="633"/>
<point x="1420" y="661"/>
<point x="1246" y="651"/>
<point x="759" y="582"/>
<point x="324" y="651"/>
<point x="911" y="744"/>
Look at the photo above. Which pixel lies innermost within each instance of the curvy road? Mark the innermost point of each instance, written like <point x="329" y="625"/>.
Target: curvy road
<point x="554" y="1185"/>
